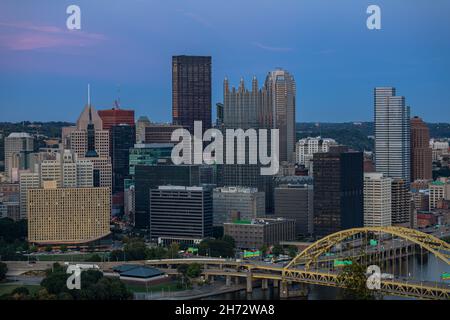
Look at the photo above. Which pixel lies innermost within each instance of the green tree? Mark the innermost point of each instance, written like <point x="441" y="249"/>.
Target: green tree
<point x="293" y="251"/>
<point x="277" y="250"/>
<point x="353" y="279"/>
<point x="48" y="248"/>
<point x="215" y="248"/>
<point x="95" y="258"/>
<point x="63" y="248"/>
<point x="264" y="249"/>
<point x="116" y="255"/>
<point x="230" y="240"/>
<point x="194" y="270"/>
<point x="135" y="249"/>
<point x="172" y="252"/>
<point x="182" y="268"/>
<point x="156" y="253"/>
<point x="3" y="270"/>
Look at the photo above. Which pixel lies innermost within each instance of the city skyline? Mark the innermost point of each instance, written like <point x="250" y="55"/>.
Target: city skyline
<point x="45" y="66"/>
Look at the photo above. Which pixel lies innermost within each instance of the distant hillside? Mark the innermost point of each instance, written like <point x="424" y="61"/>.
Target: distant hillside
<point x="356" y="134"/>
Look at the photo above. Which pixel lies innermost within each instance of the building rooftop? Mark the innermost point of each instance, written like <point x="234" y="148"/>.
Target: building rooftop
<point x="19" y="135"/>
<point x="141" y="272"/>
<point x="236" y="190"/>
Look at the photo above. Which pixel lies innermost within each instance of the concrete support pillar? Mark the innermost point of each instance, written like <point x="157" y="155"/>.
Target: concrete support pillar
<point x="275" y="283"/>
<point x="249" y="283"/>
<point x="236" y="280"/>
<point x="211" y="279"/>
<point x="265" y="284"/>
<point x="284" y="291"/>
<point x="228" y="281"/>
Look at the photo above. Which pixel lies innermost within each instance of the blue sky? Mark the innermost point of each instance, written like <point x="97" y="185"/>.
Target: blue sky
<point x="335" y="59"/>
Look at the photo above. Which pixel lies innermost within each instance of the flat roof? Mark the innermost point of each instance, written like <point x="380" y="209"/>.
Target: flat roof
<point x="142" y="272"/>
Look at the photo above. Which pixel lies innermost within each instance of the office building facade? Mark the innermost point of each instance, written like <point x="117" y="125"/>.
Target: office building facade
<point x="148" y="177"/>
<point x="296" y="201"/>
<point x="68" y="215"/>
<point x="17" y="147"/>
<point x="421" y="153"/>
<point x="181" y="214"/>
<point x="338" y="190"/>
<point x="249" y="203"/>
<point x="259" y="232"/>
<point x="392" y="134"/>
<point x="377" y="200"/>
<point x="191" y="91"/>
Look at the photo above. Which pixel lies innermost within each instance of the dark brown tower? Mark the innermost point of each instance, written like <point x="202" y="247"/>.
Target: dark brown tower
<point x="421" y="157"/>
<point x="191" y="91"/>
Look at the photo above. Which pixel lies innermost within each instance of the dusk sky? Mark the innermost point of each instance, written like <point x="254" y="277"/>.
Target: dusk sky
<point x="325" y="44"/>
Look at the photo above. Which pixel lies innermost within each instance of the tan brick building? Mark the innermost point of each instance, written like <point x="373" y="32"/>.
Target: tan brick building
<point x="68" y="215"/>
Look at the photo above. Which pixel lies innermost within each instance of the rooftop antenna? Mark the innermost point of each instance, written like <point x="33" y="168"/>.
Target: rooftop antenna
<point x="117" y="101"/>
<point x="89" y="94"/>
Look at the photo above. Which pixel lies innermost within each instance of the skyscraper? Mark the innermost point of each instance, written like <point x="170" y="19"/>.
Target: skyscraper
<point x="116" y="116"/>
<point x="338" y="190"/>
<point x="392" y="134"/>
<point x="281" y="89"/>
<point x="17" y="147"/>
<point x="191" y="91"/>
<point x="122" y="140"/>
<point x="421" y="153"/>
<point x="246" y="109"/>
<point x="400" y="201"/>
<point x="377" y="200"/>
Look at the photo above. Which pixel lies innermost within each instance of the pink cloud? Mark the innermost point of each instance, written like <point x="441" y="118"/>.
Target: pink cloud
<point x="22" y="36"/>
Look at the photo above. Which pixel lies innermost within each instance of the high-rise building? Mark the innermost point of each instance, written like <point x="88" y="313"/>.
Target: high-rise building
<point x="305" y="149"/>
<point x="296" y="201"/>
<point x="281" y="90"/>
<point x="439" y="149"/>
<point x="68" y="216"/>
<point x="249" y="203"/>
<point x="181" y="214"/>
<point x="377" y="200"/>
<point x="401" y="202"/>
<point x="27" y="181"/>
<point x="338" y="190"/>
<point x="148" y="177"/>
<point x="421" y="154"/>
<point x="392" y="134"/>
<point x="116" y="116"/>
<point x="149" y="154"/>
<point x="122" y="140"/>
<point x="191" y="91"/>
<point x="244" y="109"/>
<point x="141" y="124"/>
<point x="439" y="190"/>
<point x="90" y="141"/>
<point x="17" y="147"/>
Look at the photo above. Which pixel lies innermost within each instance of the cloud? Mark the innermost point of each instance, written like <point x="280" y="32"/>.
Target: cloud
<point x="270" y="48"/>
<point x="23" y="36"/>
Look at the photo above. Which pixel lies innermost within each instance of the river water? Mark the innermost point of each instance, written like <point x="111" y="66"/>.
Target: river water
<point x="427" y="268"/>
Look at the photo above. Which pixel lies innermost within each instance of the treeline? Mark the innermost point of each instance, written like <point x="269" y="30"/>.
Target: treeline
<point x="13" y="239"/>
<point x="136" y="249"/>
<point x="94" y="286"/>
